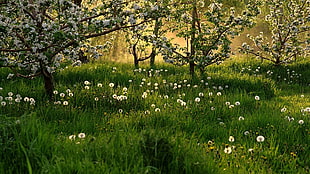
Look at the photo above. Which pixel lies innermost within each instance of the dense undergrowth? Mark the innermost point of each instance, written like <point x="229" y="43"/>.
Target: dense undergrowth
<point x="240" y="117"/>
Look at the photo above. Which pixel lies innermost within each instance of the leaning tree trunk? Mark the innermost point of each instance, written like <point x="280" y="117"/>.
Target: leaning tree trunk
<point x="49" y="85"/>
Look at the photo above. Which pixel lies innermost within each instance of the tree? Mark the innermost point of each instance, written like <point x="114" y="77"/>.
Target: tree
<point x="36" y="36"/>
<point x="207" y="31"/>
<point x="143" y="40"/>
<point x="290" y="36"/>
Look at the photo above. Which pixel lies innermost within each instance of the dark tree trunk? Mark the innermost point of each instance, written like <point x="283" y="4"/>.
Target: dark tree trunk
<point x="156" y="33"/>
<point x="49" y="85"/>
<point x="193" y="34"/>
<point x="135" y="56"/>
<point x="136" y="62"/>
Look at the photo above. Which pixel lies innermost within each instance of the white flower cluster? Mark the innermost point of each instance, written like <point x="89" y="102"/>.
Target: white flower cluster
<point x="11" y="99"/>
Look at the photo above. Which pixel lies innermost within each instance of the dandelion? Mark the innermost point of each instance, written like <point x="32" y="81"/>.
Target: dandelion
<point x="147" y="112"/>
<point x="237" y="103"/>
<point x="246" y="133"/>
<point x="81" y="135"/>
<point x="197" y="100"/>
<point x="10" y="94"/>
<point x="301" y="122"/>
<point x="260" y="138"/>
<point x="99" y="85"/>
<point x="96" y="99"/>
<point x="231" y="106"/>
<point x="183" y="103"/>
<point x="200" y="94"/>
<point x="290" y="118"/>
<point x="86" y="87"/>
<point x="227" y="103"/>
<point x="256" y="98"/>
<point x="153" y="105"/>
<point x="241" y="118"/>
<point x="70" y="94"/>
<point x="157" y="110"/>
<point x="251" y="150"/>
<point x="65" y="103"/>
<point x="62" y="95"/>
<point x="86" y="83"/>
<point x="55" y="92"/>
<point x="68" y="91"/>
<point x="228" y="150"/>
<point x="231" y="139"/>
<point x="32" y="100"/>
<point x="120" y="111"/>
<point x="72" y="137"/>
<point x="210" y="93"/>
<point x="3" y="103"/>
<point x="218" y="93"/>
<point x="26" y="99"/>
<point x="302" y="96"/>
<point x="130" y="81"/>
<point x="283" y="109"/>
<point x="111" y="85"/>
<point x="212" y="108"/>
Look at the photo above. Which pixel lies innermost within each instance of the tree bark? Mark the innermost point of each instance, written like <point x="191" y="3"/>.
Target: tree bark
<point x="156" y="33"/>
<point x="192" y="53"/>
<point x="49" y="84"/>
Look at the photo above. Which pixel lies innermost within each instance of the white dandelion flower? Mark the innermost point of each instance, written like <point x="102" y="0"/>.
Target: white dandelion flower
<point x="260" y="138"/>
<point x="231" y="139"/>
<point x="257" y="98"/>
<point x="228" y="150"/>
<point x="111" y="85"/>
<point x="81" y="135"/>
<point x="86" y="82"/>
<point x="197" y="100"/>
<point x="65" y="103"/>
<point x="72" y="137"/>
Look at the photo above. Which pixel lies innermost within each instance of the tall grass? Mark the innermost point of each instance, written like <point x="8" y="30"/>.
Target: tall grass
<point x="159" y="120"/>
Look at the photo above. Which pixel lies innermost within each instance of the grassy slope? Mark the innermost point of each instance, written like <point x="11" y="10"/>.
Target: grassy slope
<point x="129" y="136"/>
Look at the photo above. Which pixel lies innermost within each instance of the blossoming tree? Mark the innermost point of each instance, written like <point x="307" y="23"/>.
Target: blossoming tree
<point x="207" y="30"/>
<point x="36" y="36"/>
<point x="289" y="23"/>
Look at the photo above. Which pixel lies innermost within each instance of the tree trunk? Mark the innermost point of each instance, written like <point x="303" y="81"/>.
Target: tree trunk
<point x="193" y="32"/>
<point x="49" y="84"/>
<point x="156" y="33"/>
<point x="135" y="56"/>
<point x="136" y="62"/>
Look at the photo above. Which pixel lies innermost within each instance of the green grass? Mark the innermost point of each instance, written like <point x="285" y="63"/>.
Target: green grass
<point x="167" y="131"/>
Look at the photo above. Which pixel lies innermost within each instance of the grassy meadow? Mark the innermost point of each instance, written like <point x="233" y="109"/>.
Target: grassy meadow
<point x="240" y="117"/>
